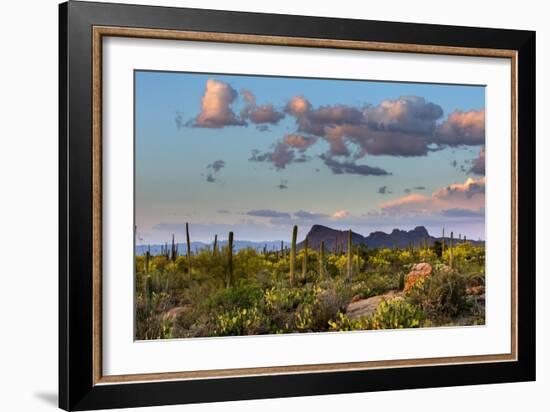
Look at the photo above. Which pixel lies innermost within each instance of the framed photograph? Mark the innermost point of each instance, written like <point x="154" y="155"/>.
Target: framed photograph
<point x="257" y="205"/>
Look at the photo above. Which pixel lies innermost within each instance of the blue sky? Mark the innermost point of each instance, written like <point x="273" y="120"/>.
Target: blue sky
<point x="257" y="155"/>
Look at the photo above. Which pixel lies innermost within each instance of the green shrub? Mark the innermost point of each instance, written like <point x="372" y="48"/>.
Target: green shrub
<point x="343" y="324"/>
<point x="395" y="314"/>
<point x="235" y="322"/>
<point x="243" y="295"/>
<point x="442" y="295"/>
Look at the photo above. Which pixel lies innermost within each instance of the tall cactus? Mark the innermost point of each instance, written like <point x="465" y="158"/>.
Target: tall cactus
<point x="350" y="256"/>
<point x="293" y="254"/>
<point x="215" y="246"/>
<point x="173" y="250"/>
<point x="322" y="259"/>
<point x="230" y="260"/>
<point x="282" y="250"/>
<point x="451" y="251"/>
<point x="304" y="261"/>
<point x="188" y="246"/>
<point x="443" y="241"/>
<point x="147" y="257"/>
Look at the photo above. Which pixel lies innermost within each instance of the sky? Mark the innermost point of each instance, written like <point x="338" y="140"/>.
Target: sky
<point x="256" y="155"/>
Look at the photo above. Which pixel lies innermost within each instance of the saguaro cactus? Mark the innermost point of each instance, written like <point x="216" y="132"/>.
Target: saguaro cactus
<point x="293" y="254"/>
<point x="188" y="247"/>
<point x="304" y="261"/>
<point x="322" y="259"/>
<point x="215" y="246"/>
<point x="443" y="241"/>
<point x="147" y="257"/>
<point x="451" y="251"/>
<point x="173" y="251"/>
<point x="350" y="256"/>
<point x="230" y="260"/>
<point x="282" y="250"/>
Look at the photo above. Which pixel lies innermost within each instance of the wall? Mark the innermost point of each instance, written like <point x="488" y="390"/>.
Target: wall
<point x="28" y="165"/>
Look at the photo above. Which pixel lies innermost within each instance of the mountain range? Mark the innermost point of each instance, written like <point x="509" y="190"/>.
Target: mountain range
<point x="399" y="238"/>
<point x="333" y="239"/>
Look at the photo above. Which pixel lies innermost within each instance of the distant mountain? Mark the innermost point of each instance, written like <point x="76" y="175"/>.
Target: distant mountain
<point x="197" y="246"/>
<point x="331" y="237"/>
<point x="398" y="238"/>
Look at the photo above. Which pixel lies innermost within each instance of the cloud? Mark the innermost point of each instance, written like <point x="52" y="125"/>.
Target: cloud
<point x="297" y="106"/>
<point x="458" y="191"/>
<point x="469" y="195"/>
<point x="216" y="109"/>
<point x="409" y="190"/>
<point x="217" y="165"/>
<point x="283" y="185"/>
<point x="299" y="142"/>
<point x="406" y="126"/>
<point x="268" y="213"/>
<point x="179" y="120"/>
<point x="305" y="215"/>
<point x="340" y="214"/>
<point x="457" y="212"/>
<point x="399" y="127"/>
<point x="462" y="128"/>
<point x="478" y="164"/>
<point x="407" y="114"/>
<point x="213" y="168"/>
<point x="383" y="190"/>
<point x="281" y="156"/>
<point x="263" y="114"/>
<point x="351" y="167"/>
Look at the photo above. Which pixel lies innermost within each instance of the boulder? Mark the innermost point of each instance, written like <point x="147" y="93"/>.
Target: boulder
<point x="365" y="307"/>
<point x="419" y="272"/>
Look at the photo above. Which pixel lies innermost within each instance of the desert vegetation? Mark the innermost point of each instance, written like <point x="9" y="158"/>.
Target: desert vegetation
<point x="218" y="291"/>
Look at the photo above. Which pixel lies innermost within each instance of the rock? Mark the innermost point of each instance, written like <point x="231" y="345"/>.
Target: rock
<point x="365" y="307"/>
<point x="355" y="298"/>
<point x="418" y="271"/>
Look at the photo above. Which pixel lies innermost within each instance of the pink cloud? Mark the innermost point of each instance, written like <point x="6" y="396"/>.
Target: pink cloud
<point x="299" y="142"/>
<point x="340" y="214"/>
<point x="478" y="164"/>
<point x="216" y="109"/>
<point x="469" y="195"/>
<point x="462" y="128"/>
<point x="259" y="114"/>
<point x="409" y="114"/>
<point x="298" y="106"/>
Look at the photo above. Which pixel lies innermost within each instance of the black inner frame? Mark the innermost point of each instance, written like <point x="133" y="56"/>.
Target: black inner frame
<point x="76" y="387"/>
